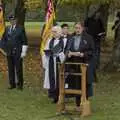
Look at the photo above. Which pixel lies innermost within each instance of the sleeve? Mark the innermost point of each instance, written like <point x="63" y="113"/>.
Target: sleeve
<point x="24" y="43"/>
<point x="3" y="41"/>
<point x="62" y="57"/>
<point x="90" y="51"/>
<point x="118" y="33"/>
<point x="102" y="27"/>
<point x="115" y="24"/>
<point x="68" y="46"/>
<point x="86" y="24"/>
<point x="24" y="37"/>
<point x="1" y="44"/>
<point x="45" y="59"/>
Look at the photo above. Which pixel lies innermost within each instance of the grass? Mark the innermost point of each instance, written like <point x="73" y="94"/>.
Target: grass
<point x="31" y="104"/>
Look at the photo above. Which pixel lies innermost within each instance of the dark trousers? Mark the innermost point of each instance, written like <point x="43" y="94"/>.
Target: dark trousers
<point x="15" y="67"/>
<point x="53" y="92"/>
<point x="97" y="53"/>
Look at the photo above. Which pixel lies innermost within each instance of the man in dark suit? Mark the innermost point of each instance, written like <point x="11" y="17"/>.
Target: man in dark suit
<point x="14" y="43"/>
<point x="80" y="50"/>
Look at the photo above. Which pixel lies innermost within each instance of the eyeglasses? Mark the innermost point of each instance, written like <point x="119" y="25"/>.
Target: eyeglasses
<point x="54" y="31"/>
<point x="77" y="27"/>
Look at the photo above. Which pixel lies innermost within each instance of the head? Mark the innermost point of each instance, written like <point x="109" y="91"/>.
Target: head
<point x="12" y="20"/>
<point x="118" y="15"/>
<point x="56" y="31"/>
<point x="65" y="29"/>
<point x="97" y="15"/>
<point x="79" y="27"/>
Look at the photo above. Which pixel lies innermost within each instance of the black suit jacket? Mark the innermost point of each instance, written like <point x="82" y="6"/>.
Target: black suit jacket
<point x="94" y="27"/>
<point x="12" y="42"/>
<point x="86" y="46"/>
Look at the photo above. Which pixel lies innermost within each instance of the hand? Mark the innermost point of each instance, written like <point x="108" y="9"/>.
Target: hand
<point x="77" y="54"/>
<point x="100" y="34"/>
<point x="23" y="54"/>
<point x="81" y="54"/>
<point x="70" y="54"/>
<point x="62" y="57"/>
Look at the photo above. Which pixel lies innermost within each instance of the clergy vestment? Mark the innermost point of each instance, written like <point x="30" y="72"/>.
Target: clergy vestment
<point x="51" y="67"/>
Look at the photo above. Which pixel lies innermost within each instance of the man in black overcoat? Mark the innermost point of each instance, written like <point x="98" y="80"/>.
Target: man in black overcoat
<point x="14" y="43"/>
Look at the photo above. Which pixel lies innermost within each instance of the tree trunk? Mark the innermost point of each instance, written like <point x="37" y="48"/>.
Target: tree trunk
<point x="20" y="12"/>
<point x="114" y="62"/>
<point x="116" y="49"/>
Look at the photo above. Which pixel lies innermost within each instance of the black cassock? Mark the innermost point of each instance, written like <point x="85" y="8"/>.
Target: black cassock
<point x="51" y="71"/>
<point x="80" y="43"/>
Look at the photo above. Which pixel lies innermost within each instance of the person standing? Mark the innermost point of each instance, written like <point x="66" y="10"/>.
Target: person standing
<point x="95" y="28"/>
<point x="65" y="34"/>
<point x="54" y="52"/>
<point x="80" y="50"/>
<point x="14" y="43"/>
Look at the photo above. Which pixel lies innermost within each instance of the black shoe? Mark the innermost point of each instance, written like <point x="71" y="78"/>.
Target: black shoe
<point x="12" y="87"/>
<point x="55" y="101"/>
<point x="20" y="88"/>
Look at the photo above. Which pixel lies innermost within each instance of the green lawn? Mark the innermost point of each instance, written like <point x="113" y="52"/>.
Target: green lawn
<point x="33" y="104"/>
<point x="39" y="25"/>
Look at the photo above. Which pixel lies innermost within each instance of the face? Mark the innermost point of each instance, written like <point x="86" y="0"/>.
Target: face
<point x="13" y="22"/>
<point x="97" y="15"/>
<point x="65" y="30"/>
<point x="117" y="18"/>
<point x="55" y="34"/>
<point x="79" y="28"/>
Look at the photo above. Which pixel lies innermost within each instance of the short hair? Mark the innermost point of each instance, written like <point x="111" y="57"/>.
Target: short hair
<point x="12" y="17"/>
<point x="58" y="29"/>
<point x="118" y="14"/>
<point x="82" y="23"/>
<point x="64" y="25"/>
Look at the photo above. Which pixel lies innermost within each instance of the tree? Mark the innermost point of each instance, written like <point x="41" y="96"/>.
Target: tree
<point x="34" y="4"/>
<point x="20" y="11"/>
<point x="103" y="6"/>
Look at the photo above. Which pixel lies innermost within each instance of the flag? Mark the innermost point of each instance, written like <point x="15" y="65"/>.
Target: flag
<point x="2" y="24"/>
<point x="49" y="19"/>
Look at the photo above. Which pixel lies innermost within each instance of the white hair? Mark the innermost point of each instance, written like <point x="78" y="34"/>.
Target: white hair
<point x="58" y="29"/>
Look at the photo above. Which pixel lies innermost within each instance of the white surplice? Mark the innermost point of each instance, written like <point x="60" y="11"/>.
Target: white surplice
<point x="45" y="61"/>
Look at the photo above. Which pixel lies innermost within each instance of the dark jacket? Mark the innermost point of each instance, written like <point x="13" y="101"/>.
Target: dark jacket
<point x="12" y="42"/>
<point x="94" y="27"/>
<point x="86" y="46"/>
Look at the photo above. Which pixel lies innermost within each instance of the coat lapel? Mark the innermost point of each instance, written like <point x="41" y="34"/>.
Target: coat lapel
<point x="83" y="42"/>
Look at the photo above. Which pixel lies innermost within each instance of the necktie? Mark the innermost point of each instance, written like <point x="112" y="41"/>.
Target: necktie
<point x="11" y="29"/>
